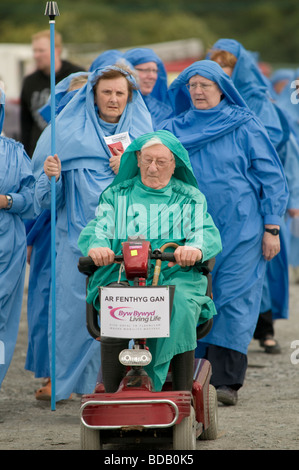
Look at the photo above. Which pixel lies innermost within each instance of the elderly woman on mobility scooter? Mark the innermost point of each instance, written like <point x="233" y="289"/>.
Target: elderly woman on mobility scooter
<point x="155" y="172"/>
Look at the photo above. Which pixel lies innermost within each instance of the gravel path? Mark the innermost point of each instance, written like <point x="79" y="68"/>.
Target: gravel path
<point x="266" y="417"/>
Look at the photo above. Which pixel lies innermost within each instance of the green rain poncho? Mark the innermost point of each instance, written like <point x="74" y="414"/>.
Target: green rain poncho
<point x="176" y="213"/>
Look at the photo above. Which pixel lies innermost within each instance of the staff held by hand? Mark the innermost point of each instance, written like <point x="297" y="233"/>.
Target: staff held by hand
<point x="52" y="167"/>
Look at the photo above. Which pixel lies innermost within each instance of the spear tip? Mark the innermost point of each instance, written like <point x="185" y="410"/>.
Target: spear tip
<point x="52" y="10"/>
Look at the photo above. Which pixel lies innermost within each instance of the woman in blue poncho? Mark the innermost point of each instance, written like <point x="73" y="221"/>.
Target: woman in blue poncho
<point x="240" y="174"/>
<point x="39" y="258"/>
<point x="257" y="92"/>
<point x="152" y="81"/>
<point x="16" y="203"/>
<point x="87" y="168"/>
<point x="254" y="88"/>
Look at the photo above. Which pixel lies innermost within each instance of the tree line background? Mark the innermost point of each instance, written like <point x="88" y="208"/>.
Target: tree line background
<point x="269" y="27"/>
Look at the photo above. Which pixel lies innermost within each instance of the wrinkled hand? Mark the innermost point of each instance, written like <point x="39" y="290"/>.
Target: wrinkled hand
<point x="101" y="256"/>
<point x="114" y="161"/>
<point x="52" y="167"/>
<point x="186" y="256"/>
<point x="270" y="245"/>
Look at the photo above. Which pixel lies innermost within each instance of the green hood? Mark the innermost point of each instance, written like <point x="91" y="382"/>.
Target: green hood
<point x="129" y="169"/>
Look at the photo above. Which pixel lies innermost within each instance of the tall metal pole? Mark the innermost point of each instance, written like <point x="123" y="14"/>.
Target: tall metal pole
<point x="52" y="11"/>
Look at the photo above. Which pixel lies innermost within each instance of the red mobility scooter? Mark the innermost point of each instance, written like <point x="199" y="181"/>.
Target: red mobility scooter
<point x="136" y="413"/>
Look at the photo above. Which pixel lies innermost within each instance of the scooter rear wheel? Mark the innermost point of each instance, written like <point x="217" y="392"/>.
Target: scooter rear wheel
<point x="89" y="438"/>
<point x="184" y="433"/>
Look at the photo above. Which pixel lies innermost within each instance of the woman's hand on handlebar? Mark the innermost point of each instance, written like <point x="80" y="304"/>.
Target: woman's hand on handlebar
<point x="101" y="256"/>
<point x="186" y="256"/>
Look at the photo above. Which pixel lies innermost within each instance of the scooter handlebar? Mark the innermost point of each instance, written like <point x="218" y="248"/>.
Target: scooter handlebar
<point x="86" y="264"/>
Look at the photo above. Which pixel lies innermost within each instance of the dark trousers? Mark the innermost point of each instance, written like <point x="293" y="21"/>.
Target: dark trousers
<point x="228" y="366"/>
<point x="264" y="325"/>
<point x="182" y="366"/>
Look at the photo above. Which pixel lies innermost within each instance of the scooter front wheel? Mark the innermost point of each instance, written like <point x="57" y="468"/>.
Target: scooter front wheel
<point x="184" y="433"/>
<point x="89" y="438"/>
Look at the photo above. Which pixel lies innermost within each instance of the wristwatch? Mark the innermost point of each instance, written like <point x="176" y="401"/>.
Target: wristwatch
<point x="273" y="231"/>
<point x="9" y="202"/>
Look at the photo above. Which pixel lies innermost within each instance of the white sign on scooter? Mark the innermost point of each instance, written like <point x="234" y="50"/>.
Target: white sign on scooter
<point x="135" y="312"/>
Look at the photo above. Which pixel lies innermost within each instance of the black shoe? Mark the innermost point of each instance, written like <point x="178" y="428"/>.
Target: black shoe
<point x="272" y="349"/>
<point x="226" y="395"/>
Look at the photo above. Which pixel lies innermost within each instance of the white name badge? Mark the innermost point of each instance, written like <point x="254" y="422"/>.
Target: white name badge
<point x="135" y="312"/>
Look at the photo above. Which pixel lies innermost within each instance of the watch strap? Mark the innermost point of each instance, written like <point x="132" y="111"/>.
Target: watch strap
<point x="273" y="231"/>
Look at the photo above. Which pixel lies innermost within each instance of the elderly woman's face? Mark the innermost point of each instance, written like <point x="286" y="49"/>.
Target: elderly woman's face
<point x="111" y="98"/>
<point x="205" y="94"/>
<point x="156" y="165"/>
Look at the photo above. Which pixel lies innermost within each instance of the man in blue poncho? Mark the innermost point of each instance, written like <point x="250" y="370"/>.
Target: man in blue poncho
<point x="16" y="204"/>
<point x="152" y="82"/>
<point x="84" y="167"/>
<point x="239" y="172"/>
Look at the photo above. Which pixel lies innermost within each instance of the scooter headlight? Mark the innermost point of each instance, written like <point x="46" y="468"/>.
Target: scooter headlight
<point x="135" y="357"/>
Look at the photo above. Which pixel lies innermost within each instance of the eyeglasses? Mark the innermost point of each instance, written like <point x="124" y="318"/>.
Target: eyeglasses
<point x="158" y="163"/>
<point x="203" y="86"/>
<point x="147" y="71"/>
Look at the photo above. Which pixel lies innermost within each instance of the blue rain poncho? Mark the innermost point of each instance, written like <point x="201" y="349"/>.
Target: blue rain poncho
<point x="239" y="172"/>
<point x="39" y="240"/>
<point x="157" y="101"/>
<point x="293" y="249"/>
<point x="85" y="174"/>
<point x="276" y="284"/>
<point x="15" y="179"/>
<point x="291" y="168"/>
